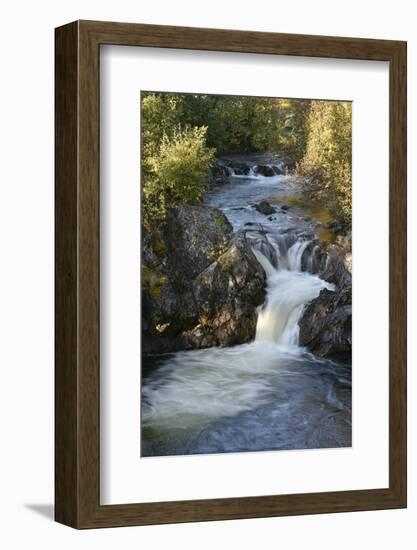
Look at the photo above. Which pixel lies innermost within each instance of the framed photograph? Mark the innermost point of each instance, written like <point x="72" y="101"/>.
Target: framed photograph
<point x="230" y="274"/>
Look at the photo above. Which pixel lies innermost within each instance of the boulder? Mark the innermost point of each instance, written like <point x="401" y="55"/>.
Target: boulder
<point x="201" y="284"/>
<point x="265" y="208"/>
<point x="264" y="170"/>
<point x="326" y="323"/>
<point x="219" y="175"/>
<point x="227" y="294"/>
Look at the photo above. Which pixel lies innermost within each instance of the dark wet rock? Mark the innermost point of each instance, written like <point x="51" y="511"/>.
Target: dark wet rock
<point x="326" y="324"/>
<point x="201" y="284"/>
<point x="329" y="261"/>
<point x="227" y="294"/>
<point x="285" y="207"/>
<point x="194" y="236"/>
<point x="265" y="208"/>
<point x="265" y="170"/>
<point x="219" y="175"/>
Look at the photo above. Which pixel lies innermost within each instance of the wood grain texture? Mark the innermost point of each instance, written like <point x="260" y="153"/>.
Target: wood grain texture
<point x="78" y="284"/>
<point x="66" y="237"/>
<point x="398" y="273"/>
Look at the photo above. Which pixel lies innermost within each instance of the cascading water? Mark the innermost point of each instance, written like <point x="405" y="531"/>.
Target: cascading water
<point x="252" y="169"/>
<point x="288" y="291"/>
<point x="269" y="394"/>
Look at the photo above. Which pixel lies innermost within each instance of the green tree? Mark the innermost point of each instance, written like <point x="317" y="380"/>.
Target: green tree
<point x="292" y="132"/>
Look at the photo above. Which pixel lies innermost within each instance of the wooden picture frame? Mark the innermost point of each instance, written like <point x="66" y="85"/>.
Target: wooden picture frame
<point x="77" y="405"/>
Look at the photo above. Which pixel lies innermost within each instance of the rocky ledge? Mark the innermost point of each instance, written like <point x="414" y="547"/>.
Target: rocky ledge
<point x="201" y="284"/>
<point x="326" y="324"/>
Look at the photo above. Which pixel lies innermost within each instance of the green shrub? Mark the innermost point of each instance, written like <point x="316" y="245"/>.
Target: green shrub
<point x="161" y="114"/>
<point x="176" y="172"/>
<point x="327" y="161"/>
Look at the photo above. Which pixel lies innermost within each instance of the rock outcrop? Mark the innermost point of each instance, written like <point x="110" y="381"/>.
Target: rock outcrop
<point x="201" y="284"/>
<point x="326" y="324"/>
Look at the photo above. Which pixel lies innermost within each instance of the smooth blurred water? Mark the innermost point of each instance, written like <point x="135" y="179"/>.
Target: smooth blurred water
<point x="251" y="397"/>
<point x="269" y="394"/>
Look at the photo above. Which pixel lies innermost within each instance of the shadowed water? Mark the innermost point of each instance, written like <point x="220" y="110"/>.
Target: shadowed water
<point x="266" y="395"/>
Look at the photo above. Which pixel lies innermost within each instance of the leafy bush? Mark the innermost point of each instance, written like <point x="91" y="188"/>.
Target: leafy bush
<point x="328" y="157"/>
<point x="176" y="172"/>
<point x="161" y="114"/>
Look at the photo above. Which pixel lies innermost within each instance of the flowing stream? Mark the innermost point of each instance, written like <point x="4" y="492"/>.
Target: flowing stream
<point x="269" y="394"/>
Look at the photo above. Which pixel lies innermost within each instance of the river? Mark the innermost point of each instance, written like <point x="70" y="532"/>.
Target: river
<point x="270" y="394"/>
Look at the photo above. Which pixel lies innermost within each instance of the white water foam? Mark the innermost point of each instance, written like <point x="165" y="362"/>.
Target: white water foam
<point x="288" y="291"/>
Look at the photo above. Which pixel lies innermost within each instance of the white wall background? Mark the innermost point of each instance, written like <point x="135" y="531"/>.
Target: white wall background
<point x="26" y="273"/>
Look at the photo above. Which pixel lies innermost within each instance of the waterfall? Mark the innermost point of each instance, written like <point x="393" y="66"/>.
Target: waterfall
<point x="288" y="291"/>
<point x="265" y="263"/>
<point x="253" y="171"/>
<point x="295" y="254"/>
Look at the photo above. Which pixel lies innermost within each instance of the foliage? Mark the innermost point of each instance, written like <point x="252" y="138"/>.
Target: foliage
<point x="235" y="124"/>
<point x="176" y="171"/>
<point x="328" y="156"/>
<point x="161" y="114"/>
<point x="293" y="132"/>
<point x="238" y="124"/>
